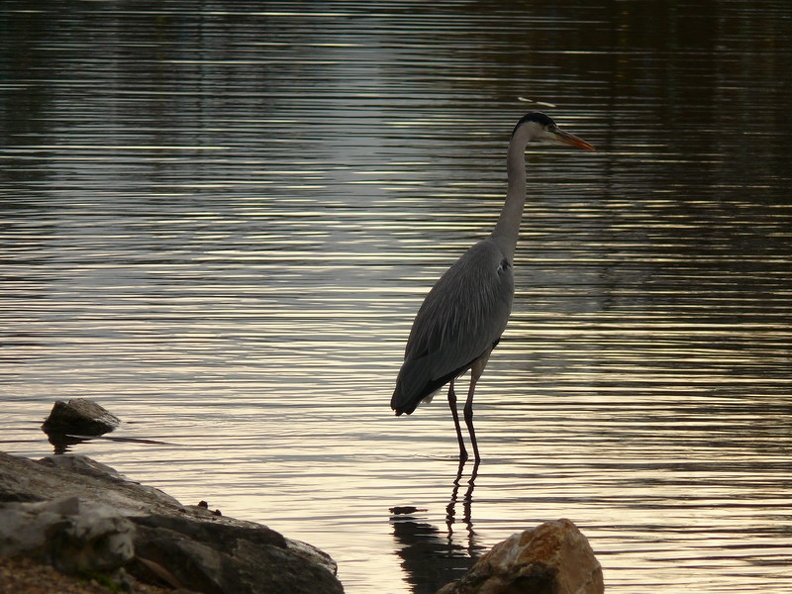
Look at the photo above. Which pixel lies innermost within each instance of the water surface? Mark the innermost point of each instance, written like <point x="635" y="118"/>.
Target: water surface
<point x="219" y="223"/>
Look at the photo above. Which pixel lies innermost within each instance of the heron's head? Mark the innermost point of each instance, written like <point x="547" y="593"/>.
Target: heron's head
<point x="539" y="127"/>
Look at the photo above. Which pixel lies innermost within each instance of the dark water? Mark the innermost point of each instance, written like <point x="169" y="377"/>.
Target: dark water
<point x="219" y="218"/>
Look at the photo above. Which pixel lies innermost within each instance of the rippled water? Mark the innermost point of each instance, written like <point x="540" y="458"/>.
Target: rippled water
<point x="219" y="222"/>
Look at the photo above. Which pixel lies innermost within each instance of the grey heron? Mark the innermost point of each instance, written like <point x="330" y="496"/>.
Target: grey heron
<point x="465" y="313"/>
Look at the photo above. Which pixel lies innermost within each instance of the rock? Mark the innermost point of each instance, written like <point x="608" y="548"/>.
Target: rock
<point x="79" y="416"/>
<point x="207" y="556"/>
<point x="553" y="558"/>
<point x="74" y="536"/>
<point x="23" y="575"/>
<point x="187" y="546"/>
<point x="52" y="477"/>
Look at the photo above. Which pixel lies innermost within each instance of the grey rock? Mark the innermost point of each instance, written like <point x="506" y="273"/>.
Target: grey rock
<point x="22" y="479"/>
<point x="79" y="416"/>
<point x="72" y="535"/>
<point x="203" y="556"/>
<point x="187" y="546"/>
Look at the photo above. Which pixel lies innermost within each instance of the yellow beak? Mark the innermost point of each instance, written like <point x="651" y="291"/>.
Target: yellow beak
<point x="572" y="140"/>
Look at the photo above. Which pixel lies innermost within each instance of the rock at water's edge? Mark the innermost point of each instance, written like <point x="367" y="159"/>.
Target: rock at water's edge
<point x="74" y="536"/>
<point x="553" y="558"/>
<point x="79" y="416"/>
<point x="188" y="545"/>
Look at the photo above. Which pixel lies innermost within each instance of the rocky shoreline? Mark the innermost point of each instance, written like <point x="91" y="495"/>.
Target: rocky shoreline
<point x="72" y="525"/>
<point x="84" y="518"/>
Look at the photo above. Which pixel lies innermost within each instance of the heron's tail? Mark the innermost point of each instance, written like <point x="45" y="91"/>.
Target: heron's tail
<point x="414" y="384"/>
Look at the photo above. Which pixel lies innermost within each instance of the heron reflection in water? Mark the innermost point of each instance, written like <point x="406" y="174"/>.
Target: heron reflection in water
<point x="463" y="316"/>
<point x="431" y="557"/>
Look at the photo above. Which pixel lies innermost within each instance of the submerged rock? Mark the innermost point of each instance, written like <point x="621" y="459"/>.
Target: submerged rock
<point x="93" y="518"/>
<point x="553" y="558"/>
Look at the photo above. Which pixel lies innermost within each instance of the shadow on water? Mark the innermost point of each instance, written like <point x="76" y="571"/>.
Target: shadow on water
<point x="63" y="443"/>
<point x="430" y="557"/>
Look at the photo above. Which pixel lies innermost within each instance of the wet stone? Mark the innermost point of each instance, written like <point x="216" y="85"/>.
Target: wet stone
<point x="79" y="416"/>
<point x="553" y="558"/>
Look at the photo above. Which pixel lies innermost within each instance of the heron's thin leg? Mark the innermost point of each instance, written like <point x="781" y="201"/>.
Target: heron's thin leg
<point x="475" y="373"/>
<point x="452" y="403"/>
<point x="469" y="418"/>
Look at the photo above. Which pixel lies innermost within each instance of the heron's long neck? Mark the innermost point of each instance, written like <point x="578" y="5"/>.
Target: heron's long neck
<point x="507" y="229"/>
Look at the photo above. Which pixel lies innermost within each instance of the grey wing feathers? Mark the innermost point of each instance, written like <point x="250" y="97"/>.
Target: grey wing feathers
<point x="462" y="317"/>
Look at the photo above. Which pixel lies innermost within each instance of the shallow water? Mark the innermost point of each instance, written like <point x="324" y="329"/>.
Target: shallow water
<point x="219" y="224"/>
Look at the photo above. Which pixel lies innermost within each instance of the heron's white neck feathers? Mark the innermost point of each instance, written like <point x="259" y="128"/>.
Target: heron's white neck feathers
<point x="507" y="229"/>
